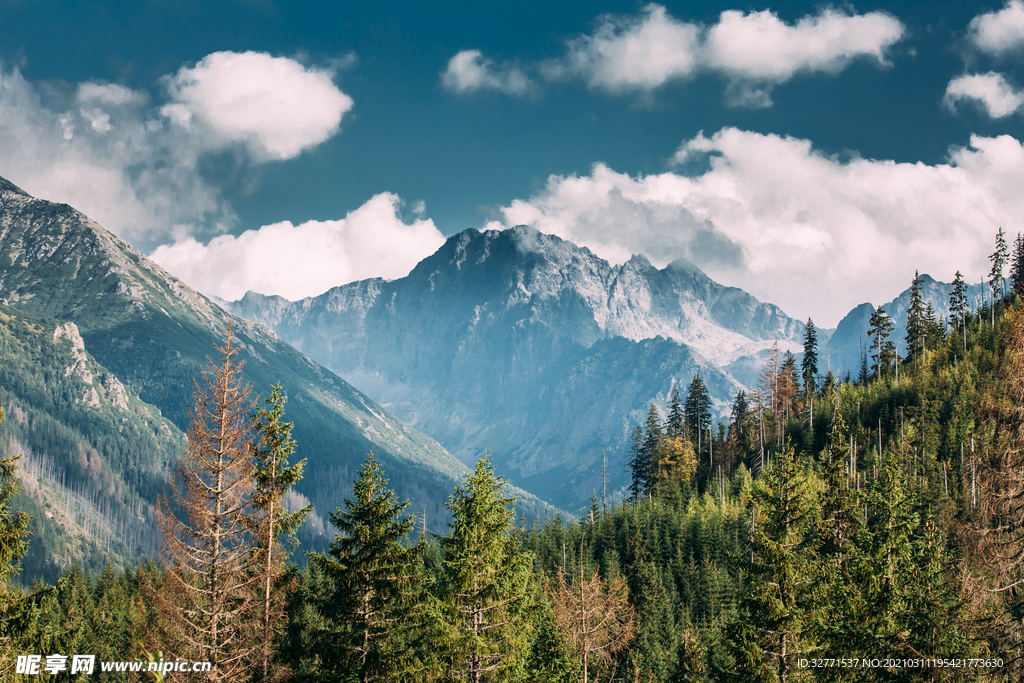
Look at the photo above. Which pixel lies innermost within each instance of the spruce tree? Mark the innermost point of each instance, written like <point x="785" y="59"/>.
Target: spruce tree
<point x="485" y="592"/>
<point x="998" y="259"/>
<point x="371" y="608"/>
<point x="770" y="630"/>
<point x="1017" y="266"/>
<point x="676" y="416"/>
<point x="275" y="526"/>
<point x="651" y="447"/>
<point x="880" y="327"/>
<point x="958" y="301"/>
<point x="809" y="362"/>
<point x="916" y="322"/>
<point x="698" y="411"/>
<point x="14" y="528"/>
<point x="638" y="466"/>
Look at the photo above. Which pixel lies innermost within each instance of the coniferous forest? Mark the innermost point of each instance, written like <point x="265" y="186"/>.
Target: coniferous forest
<point x="857" y="528"/>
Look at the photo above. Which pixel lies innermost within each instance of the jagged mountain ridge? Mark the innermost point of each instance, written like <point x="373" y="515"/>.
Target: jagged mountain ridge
<point x="533" y="346"/>
<point x="155" y="333"/>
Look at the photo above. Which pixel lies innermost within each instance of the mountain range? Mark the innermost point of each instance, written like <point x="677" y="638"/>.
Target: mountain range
<point x="151" y="335"/>
<point x="512" y="341"/>
<point x="534" y="347"/>
<point x="547" y="353"/>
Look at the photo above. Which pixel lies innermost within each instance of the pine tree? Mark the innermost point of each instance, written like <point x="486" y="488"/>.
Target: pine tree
<point x="770" y="631"/>
<point x="880" y="327"/>
<point x="809" y="362"/>
<point x="651" y="448"/>
<point x="638" y="466"/>
<point x="998" y="258"/>
<point x="698" y="411"/>
<point x="14" y="528"/>
<point x="676" y="416"/>
<point x="274" y="477"/>
<point x="485" y="589"/>
<point x="916" y="322"/>
<point x="1017" y="266"/>
<point x="371" y="608"/>
<point x="209" y="601"/>
<point x="958" y="301"/>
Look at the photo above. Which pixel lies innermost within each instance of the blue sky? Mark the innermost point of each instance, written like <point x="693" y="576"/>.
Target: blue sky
<point x="814" y="155"/>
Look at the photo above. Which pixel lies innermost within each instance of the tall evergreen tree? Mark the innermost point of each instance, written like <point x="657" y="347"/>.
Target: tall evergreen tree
<point x="998" y="259"/>
<point x="958" y="301"/>
<point x="650" y="450"/>
<point x="1017" y="266"/>
<point x="698" y="411"/>
<point x="485" y="588"/>
<point x="740" y="410"/>
<point x="676" y="417"/>
<point x="276" y="526"/>
<point x="916" y="321"/>
<point x="638" y="465"/>
<point x="770" y="631"/>
<point x="14" y="528"/>
<point x="809" y="362"/>
<point x="372" y="607"/>
<point x="880" y="327"/>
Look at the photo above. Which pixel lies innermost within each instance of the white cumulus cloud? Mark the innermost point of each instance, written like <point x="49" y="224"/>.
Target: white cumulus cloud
<point x="133" y="165"/>
<point x="814" y="233"/>
<point x="990" y="90"/>
<point x="297" y="261"/>
<point x="629" y="53"/>
<point x="469" y="70"/>
<point x="1001" y="31"/>
<point x="274" y="105"/>
<point x="754" y="51"/>
<point x="761" y="48"/>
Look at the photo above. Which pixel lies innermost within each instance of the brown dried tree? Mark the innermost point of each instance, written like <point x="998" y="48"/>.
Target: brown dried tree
<point x="208" y="606"/>
<point x="594" y="615"/>
<point x="994" y="490"/>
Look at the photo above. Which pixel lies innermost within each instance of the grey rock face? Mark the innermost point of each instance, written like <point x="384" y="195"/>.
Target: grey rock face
<point x="531" y="346"/>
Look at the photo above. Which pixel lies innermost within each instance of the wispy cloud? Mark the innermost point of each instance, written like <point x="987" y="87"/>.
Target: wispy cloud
<point x="469" y="71"/>
<point x="753" y="51"/>
<point x="133" y="164"/>
<point x="990" y="91"/>
<point x="814" y="233"/>
<point x="296" y="261"/>
<point x="1001" y="31"/>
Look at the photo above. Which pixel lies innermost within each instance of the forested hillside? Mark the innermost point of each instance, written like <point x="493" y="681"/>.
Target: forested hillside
<point x="862" y="530"/>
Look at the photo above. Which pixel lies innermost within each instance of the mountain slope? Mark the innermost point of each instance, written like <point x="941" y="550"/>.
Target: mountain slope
<point x="532" y="346"/>
<point x="155" y="334"/>
<point x="93" y="457"/>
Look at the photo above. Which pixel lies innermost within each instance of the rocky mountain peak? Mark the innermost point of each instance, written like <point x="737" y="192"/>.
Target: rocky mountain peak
<point x="8" y="186"/>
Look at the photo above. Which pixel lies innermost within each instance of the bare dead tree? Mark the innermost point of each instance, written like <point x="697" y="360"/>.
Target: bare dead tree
<point x="594" y="615"/>
<point x="209" y="552"/>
